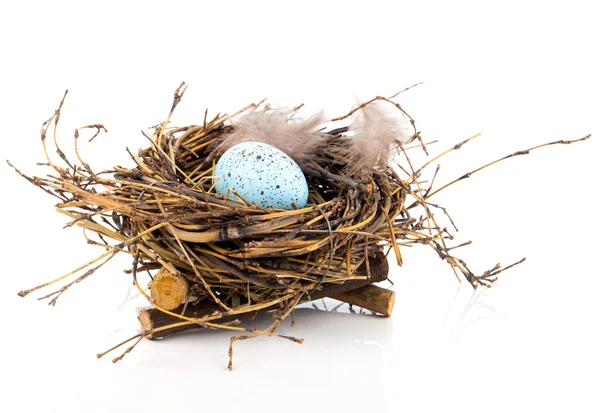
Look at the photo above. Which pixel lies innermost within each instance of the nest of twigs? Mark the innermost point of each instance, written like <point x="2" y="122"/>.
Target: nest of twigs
<point x="164" y="212"/>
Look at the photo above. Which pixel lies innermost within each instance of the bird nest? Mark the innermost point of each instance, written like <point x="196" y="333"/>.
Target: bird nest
<point x="236" y="256"/>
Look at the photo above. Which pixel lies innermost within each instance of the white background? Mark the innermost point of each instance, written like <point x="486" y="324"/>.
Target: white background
<point x="520" y="73"/>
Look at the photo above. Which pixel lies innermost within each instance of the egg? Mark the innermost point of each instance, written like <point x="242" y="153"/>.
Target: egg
<point x="261" y="174"/>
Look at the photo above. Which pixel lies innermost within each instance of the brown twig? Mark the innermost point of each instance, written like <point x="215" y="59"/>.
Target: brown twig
<point x="512" y="155"/>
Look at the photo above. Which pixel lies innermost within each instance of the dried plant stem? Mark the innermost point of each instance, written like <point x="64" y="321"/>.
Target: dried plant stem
<point x="99" y="355"/>
<point x="518" y="153"/>
<point x="447" y="151"/>
<point x="370" y="297"/>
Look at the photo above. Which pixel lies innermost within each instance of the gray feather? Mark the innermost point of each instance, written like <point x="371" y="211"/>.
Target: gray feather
<point x="374" y="135"/>
<point x="299" y="138"/>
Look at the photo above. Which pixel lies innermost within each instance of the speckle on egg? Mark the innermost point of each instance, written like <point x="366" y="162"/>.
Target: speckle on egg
<point x="243" y="167"/>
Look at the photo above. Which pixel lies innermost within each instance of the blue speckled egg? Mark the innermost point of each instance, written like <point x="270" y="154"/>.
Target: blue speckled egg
<point x="262" y="175"/>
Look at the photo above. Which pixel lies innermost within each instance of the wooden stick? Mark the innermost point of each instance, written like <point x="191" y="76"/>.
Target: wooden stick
<point x="370" y="297"/>
<point x="151" y="318"/>
<point x="168" y="290"/>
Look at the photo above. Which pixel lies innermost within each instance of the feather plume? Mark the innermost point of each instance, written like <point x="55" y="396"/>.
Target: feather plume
<point x="373" y="136"/>
<point x="299" y="138"/>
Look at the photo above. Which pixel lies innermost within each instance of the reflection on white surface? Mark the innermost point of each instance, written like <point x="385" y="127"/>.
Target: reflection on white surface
<point x="342" y="333"/>
<point x="328" y="327"/>
<point x="467" y="309"/>
<point x="132" y="294"/>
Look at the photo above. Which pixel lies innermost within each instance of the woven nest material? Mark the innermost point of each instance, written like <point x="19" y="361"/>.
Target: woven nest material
<point x="235" y="252"/>
<point x="165" y="213"/>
